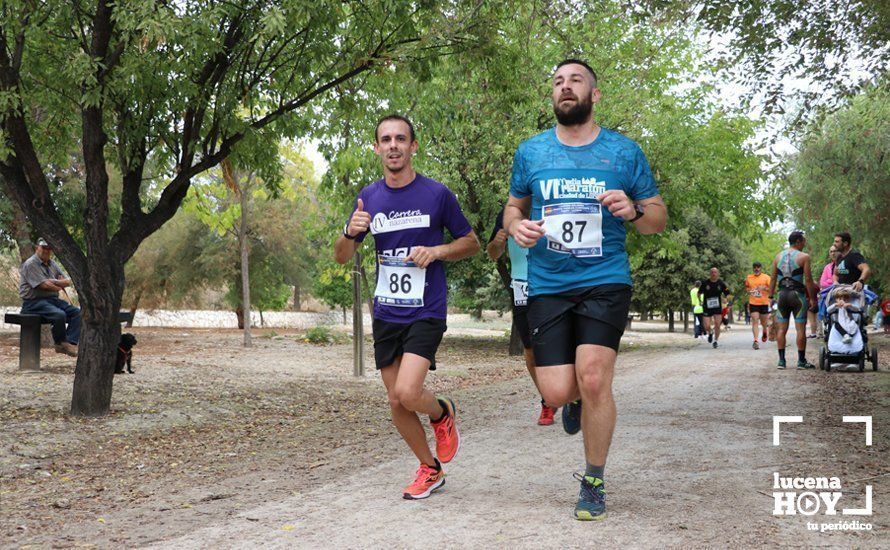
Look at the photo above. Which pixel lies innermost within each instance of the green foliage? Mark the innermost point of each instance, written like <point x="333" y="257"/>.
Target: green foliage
<point x="663" y="278"/>
<point x="199" y="249"/>
<point x="763" y="246"/>
<point x="475" y="109"/>
<point x="322" y="336"/>
<point x="840" y="180"/>
<point x="173" y="265"/>
<point x="840" y="46"/>
<point x="332" y="282"/>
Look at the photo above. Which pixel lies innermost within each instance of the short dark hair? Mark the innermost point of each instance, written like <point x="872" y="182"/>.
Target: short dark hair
<point x="795" y="237"/>
<point x="395" y="117"/>
<point x="757" y="264"/>
<point x="696" y="283"/>
<point x="584" y="64"/>
<point x="845" y="237"/>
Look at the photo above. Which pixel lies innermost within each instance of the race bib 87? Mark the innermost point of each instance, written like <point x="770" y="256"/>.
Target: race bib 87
<point x="400" y="282"/>
<point x="574" y="228"/>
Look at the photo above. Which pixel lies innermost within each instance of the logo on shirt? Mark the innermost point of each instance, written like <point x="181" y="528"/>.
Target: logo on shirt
<point x="571" y="188"/>
<point x="397" y="221"/>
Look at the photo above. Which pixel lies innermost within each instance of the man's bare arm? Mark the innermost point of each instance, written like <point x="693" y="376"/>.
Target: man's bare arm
<point x="523" y="230"/>
<point x="772" y="280"/>
<point x="496" y="247"/>
<point x="808" y="281"/>
<point x="655" y="218"/>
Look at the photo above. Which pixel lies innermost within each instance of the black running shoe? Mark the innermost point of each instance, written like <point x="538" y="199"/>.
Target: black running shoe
<point x="710" y="337"/>
<point x="571" y="417"/>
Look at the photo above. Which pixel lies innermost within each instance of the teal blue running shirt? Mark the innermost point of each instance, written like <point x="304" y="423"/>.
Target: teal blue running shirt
<point x="584" y="243"/>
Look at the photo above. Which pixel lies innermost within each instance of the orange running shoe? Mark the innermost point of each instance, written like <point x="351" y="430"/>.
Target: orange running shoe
<point x="447" y="436"/>
<point x="426" y="480"/>
<point x="546" y="418"/>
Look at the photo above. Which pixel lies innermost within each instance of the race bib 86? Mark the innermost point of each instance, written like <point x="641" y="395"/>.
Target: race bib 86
<point x="400" y="282"/>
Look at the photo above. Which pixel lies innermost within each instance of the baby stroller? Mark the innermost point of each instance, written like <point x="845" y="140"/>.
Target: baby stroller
<point x="850" y="348"/>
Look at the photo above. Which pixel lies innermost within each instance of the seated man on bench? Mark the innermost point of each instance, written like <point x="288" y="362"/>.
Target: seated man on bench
<point x="41" y="281"/>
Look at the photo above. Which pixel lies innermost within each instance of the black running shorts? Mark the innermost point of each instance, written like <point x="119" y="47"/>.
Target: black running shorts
<point x="392" y="340"/>
<point x="520" y="316"/>
<point x="712" y="312"/>
<point x="763" y="310"/>
<point x="562" y="322"/>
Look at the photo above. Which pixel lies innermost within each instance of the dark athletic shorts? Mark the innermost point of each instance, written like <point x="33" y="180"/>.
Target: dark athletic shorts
<point x="392" y="340"/>
<point x="562" y="322"/>
<point x="520" y="315"/>
<point x="712" y="312"/>
<point x="763" y="310"/>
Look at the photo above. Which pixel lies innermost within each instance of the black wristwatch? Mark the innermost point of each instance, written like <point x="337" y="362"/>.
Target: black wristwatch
<point x="640" y="212"/>
<point x="346" y="233"/>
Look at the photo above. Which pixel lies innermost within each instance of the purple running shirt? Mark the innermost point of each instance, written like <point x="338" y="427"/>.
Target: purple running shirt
<point x="414" y="215"/>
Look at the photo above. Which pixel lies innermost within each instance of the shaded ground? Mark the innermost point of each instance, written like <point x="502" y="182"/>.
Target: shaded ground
<point x="209" y="444"/>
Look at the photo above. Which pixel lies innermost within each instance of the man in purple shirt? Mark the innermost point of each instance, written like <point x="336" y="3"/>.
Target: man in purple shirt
<point x="407" y="214"/>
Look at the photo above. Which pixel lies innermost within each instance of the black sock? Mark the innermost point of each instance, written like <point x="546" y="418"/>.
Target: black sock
<point x="782" y="354"/>
<point x="437" y="466"/>
<point x="444" y="412"/>
<point x="595" y="471"/>
<point x="801" y="356"/>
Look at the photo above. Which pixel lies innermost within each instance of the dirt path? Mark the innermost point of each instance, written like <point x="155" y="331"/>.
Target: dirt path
<point x="210" y="445"/>
<point x="691" y="464"/>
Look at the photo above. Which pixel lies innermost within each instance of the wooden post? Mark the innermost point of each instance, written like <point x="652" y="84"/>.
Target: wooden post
<point x="358" y="333"/>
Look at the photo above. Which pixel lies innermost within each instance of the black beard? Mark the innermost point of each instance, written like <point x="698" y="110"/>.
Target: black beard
<point x="579" y="113"/>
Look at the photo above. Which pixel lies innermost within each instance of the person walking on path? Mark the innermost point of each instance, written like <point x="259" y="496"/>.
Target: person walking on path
<point x="573" y="191"/>
<point x="407" y="213"/>
<point x="697" y="309"/>
<point x="792" y="275"/>
<point x="757" y="285"/>
<point x="826" y="280"/>
<point x="498" y="242"/>
<point x="712" y="292"/>
<point x="850" y="267"/>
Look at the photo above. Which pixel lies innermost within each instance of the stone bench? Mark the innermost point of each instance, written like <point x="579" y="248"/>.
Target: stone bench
<point x="29" y="336"/>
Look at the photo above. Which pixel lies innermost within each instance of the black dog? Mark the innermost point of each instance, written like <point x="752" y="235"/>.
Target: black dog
<point x="125" y="354"/>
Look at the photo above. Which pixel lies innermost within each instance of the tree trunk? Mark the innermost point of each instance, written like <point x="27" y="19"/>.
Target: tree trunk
<point x="515" y="340"/>
<point x="297" y="305"/>
<point x="239" y="313"/>
<point x="670" y="317"/>
<point x="344" y="314"/>
<point x="685" y="321"/>
<point x="100" y="299"/>
<point x="368" y="292"/>
<point x="644" y="315"/>
<point x="245" y="267"/>
<point x="20" y="231"/>
<point x="133" y="309"/>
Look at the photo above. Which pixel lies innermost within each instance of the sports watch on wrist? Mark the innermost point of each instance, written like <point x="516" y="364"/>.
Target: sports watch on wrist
<point x="640" y="212"/>
<point x="346" y="233"/>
